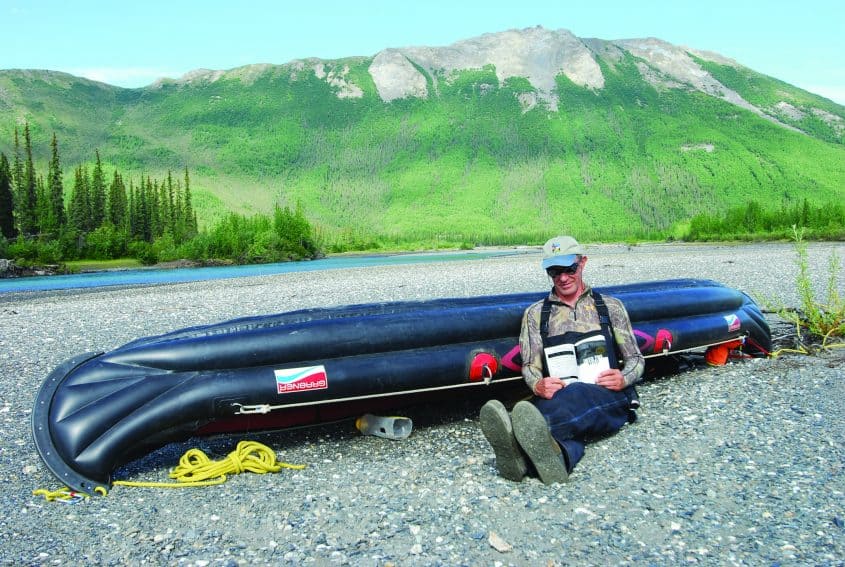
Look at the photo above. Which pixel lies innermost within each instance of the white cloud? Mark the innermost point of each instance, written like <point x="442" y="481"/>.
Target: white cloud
<point x="128" y="77"/>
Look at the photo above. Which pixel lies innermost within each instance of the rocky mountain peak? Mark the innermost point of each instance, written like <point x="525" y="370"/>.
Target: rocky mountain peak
<point x="539" y="55"/>
<point x="536" y="54"/>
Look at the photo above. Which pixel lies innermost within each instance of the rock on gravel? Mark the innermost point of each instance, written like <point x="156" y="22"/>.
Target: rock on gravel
<point x="736" y="465"/>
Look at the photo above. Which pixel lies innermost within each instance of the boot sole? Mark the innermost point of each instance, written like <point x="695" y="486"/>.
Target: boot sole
<point x="532" y="433"/>
<point x="496" y="426"/>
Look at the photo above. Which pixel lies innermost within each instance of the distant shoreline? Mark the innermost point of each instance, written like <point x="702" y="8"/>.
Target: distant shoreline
<point x="10" y="269"/>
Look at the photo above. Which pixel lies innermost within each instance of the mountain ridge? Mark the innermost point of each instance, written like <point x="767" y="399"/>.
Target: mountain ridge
<point x="534" y="53"/>
<point x="402" y="72"/>
<point x="495" y="133"/>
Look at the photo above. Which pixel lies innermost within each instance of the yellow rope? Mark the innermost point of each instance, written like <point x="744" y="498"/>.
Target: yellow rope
<point x="195" y="469"/>
<point x="61" y="495"/>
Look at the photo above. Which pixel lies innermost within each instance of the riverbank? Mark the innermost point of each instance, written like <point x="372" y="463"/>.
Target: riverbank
<point x="180" y="274"/>
<point x="740" y="464"/>
<point x="9" y="269"/>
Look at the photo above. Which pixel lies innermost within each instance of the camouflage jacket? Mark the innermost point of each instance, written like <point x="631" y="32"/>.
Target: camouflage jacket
<point x="581" y="319"/>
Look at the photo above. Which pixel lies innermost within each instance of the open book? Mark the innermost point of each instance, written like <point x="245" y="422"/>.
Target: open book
<point x="582" y="360"/>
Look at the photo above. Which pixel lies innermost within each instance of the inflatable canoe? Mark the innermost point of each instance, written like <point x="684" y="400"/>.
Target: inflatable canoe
<point x="97" y="411"/>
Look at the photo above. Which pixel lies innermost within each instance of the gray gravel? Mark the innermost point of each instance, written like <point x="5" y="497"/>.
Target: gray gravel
<point x="735" y="465"/>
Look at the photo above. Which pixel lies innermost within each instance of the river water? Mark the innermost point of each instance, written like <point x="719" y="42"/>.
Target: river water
<point x="150" y="276"/>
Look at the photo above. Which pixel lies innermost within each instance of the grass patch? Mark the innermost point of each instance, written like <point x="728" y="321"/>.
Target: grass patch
<point x="100" y="265"/>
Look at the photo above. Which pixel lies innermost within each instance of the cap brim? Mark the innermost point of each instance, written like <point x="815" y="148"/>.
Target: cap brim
<point x="567" y="260"/>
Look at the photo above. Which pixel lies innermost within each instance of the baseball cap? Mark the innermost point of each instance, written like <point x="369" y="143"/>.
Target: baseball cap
<point x="561" y="251"/>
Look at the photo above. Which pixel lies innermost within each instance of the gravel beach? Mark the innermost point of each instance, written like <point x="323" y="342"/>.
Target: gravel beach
<point x="736" y="465"/>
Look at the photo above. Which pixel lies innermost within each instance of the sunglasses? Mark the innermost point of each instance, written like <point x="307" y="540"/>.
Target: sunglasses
<point x="555" y="271"/>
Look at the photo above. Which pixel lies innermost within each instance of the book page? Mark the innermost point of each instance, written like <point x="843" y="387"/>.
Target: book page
<point x="592" y="359"/>
<point x="561" y="360"/>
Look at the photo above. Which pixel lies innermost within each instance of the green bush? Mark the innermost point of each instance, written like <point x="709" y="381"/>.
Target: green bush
<point x="815" y="322"/>
<point x="105" y="243"/>
<point x="753" y="222"/>
<point x="48" y="252"/>
<point x="29" y="251"/>
<point x="23" y="249"/>
<point x="71" y="244"/>
<point x="165" y="248"/>
<point x="143" y="252"/>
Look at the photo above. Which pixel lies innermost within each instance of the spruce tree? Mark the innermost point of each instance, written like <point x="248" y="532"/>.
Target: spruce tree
<point x="178" y="215"/>
<point x="189" y="215"/>
<point x="142" y="211"/>
<point x="164" y="210"/>
<point x="55" y="193"/>
<point x="132" y="212"/>
<point x="153" y="210"/>
<point x="42" y="209"/>
<point x="17" y="180"/>
<point x="26" y="202"/>
<point x="7" y="219"/>
<point x="117" y="203"/>
<point x="97" y="194"/>
<point x="172" y="219"/>
<point x="79" y="209"/>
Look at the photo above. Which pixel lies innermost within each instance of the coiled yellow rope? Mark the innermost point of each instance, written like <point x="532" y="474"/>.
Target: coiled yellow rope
<point x="196" y="469"/>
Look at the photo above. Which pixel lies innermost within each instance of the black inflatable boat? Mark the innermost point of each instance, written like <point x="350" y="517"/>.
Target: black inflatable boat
<point x="97" y="411"/>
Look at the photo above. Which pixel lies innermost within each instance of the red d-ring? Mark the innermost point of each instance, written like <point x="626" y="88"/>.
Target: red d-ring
<point x="483" y="367"/>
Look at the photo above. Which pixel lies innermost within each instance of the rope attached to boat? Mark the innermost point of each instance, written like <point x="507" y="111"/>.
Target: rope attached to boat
<point x="63" y="495"/>
<point x="195" y="469"/>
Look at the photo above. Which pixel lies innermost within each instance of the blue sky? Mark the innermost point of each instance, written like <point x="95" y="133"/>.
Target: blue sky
<point x="133" y="43"/>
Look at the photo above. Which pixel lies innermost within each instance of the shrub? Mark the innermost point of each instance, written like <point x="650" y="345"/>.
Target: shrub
<point x="144" y="252"/>
<point x="815" y="322"/>
<point x="165" y="248"/>
<point x="105" y="243"/>
<point x="48" y="252"/>
<point x="23" y="249"/>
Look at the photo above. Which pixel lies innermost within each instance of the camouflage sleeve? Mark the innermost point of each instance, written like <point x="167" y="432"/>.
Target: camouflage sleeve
<point x="531" y="347"/>
<point x="633" y="363"/>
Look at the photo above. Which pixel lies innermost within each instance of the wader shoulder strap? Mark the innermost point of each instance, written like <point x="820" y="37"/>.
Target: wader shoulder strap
<point x="606" y="329"/>
<point x="614" y="352"/>
<point x="545" y="312"/>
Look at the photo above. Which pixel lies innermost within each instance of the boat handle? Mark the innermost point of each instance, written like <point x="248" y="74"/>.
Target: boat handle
<point x="259" y="408"/>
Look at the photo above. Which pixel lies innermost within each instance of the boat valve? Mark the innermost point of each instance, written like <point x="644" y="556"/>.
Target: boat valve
<point x="663" y="341"/>
<point x="483" y="367"/>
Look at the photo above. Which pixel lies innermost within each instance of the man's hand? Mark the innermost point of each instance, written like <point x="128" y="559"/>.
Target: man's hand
<point x="611" y="379"/>
<point x="548" y="387"/>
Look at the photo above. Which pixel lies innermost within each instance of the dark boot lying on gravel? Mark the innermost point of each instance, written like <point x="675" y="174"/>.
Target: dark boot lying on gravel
<point x="496" y="426"/>
<point x="532" y="434"/>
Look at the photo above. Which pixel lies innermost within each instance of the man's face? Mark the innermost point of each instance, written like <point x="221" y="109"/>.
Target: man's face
<point x="567" y="280"/>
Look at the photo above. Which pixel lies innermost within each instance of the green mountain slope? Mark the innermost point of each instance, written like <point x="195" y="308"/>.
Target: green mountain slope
<point x="479" y="158"/>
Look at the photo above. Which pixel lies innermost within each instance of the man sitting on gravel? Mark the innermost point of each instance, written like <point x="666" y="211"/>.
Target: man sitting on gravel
<point x="550" y="430"/>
